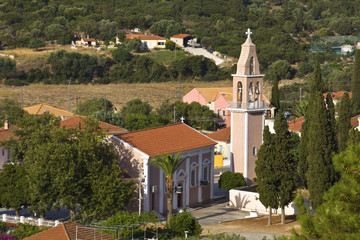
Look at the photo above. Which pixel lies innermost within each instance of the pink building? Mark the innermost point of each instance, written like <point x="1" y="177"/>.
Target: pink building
<point x="215" y="98"/>
<point x="247" y="112"/>
<point x="5" y="134"/>
<point x="193" y="180"/>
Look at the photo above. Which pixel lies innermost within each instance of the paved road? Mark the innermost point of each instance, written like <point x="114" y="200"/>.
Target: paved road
<point x="216" y="213"/>
<point x="205" y="53"/>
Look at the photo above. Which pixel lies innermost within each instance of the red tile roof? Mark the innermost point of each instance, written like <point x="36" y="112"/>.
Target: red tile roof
<point x="221" y="135"/>
<point x="69" y="231"/>
<point x="180" y="36"/>
<point x="77" y="122"/>
<point x="355" y="121"/>
<point x="144" y="37"/>
<point x="338" y="95"/>
<point x="6" y="134"/>
<point x="172" y="138"/>
<point x="89" y="39"/>
<point x="296" y="126"/>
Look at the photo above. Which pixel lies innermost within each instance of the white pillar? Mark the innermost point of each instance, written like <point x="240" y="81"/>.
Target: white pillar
<point x="200" y="176"/>
<point x="246" y="148"/>
<point x="187" y="183"/>
<point x="22" y="219"/>
<point x="146" y="185"/>
<point x="4" y="217"/>
<point x="40" y="222"/>
<point x="161" y="192"/>
<point x="212" y="174"/>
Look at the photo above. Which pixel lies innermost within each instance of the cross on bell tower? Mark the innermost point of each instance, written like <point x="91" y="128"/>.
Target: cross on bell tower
<point x="247" y="111"/>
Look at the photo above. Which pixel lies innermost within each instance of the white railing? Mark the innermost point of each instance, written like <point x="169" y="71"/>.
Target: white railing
<point x="249" y="105"/>
<point x="29" y="220"/>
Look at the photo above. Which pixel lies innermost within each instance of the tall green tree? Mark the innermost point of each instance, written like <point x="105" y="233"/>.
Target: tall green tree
<point x="265" y="167"/>
<point x="338" y="216"/>
<point x="285" y="164"/>
<point x="168" y="163"/>
<point x="69" y="168"/>
<point x="14" y="188"/>
<point x="10" y="110"/>
<point x="317" y="142"/>
<point x="355" y="88"/>
<point x="275" y="94"/>
<point x="344" y="124"/>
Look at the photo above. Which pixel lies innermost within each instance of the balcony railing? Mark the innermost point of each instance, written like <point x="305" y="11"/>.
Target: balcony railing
<point x="249" y="105"/>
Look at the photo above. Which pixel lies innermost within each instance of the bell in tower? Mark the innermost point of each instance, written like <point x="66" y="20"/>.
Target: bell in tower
<point x="247" y="111"/>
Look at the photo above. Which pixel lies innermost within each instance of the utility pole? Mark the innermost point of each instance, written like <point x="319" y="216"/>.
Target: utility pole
<point x="22" y="97"/>
<point x="69" y="97"/>
<point x="294" y="109"/>
<point x="174" y="114"/>
<point x="105" y="103"/>
<point x="300" y="95"/>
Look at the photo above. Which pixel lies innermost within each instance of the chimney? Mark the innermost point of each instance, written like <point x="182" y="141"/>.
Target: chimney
<point x="87" y="36"/>
<point x="6" y="125"/>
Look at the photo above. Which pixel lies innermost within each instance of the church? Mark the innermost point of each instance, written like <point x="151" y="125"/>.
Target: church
<point x="247" y="111"/>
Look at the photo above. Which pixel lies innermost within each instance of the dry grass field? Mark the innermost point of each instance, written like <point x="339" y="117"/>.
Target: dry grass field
<point x="118" y="94"/>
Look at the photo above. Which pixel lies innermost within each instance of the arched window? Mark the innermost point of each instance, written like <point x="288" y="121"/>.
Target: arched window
<point x="252" y="66"/>
<point x="206" y="170"/>
<point x="194" y="169"/>
<point x="250" y="92"/>
<point x="257" y="91"/>
<point x="255" y="151"/>
<point x="239" y="92"/>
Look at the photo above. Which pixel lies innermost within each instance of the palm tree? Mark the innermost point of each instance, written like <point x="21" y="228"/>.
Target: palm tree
<point x="169" y="163"/>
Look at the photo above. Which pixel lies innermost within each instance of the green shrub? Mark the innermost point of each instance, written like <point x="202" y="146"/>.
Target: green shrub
<point x="229" y="180"/>
<point x="26" y="230"/>
<point x="2" y="227"/>
<point x="226" y="237"/>
<point x="184" y="222"/>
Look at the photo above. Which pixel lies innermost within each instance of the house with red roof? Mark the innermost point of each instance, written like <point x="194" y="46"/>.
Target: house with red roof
<point x="79" y="122"/>
<point x="193" y="180"/>
<point x="87" y="42"/>
<point x="223" y="139"/>
<point x="148" y="41"/>
<point x="181" y="39"/>
<point x="5" y="134"/>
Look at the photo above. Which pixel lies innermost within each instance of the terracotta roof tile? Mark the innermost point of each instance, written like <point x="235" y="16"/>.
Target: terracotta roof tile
<point x="180" y="36"/>
<point x="355" y="121"/>
<point x="144" y="37"/>
<point x="89" y="39"/>
<point x="6" y="134"/>
<point x="211" y="94"/>
<point x="296" y="126"/>
<point x="41" y="108"/>
<point x="172" y="138"/>
<point x="221" y="135"/>
<point x="68" y="231"/>
<point x="338" y="95"/>
<point x="77" y="121"/>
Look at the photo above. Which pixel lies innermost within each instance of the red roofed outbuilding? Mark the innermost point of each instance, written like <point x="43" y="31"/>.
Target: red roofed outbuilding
<point x="181" y="39"/>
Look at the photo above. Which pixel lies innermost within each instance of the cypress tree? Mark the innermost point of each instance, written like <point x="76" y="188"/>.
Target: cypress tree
<point x="285" y="164"/>
<point x="276" y="168"/>
<point x="331" y="127"/>
<point x="355" y="88"/>
<point x="344" y="124"/>
<point x="265" y="177"/>
<point x="315" y="86"/>
<point x="275" y="93"/>
<point x="318" y="142"/>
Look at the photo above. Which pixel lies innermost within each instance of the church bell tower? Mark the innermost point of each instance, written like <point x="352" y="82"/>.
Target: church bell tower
<point x="247" y="112"/>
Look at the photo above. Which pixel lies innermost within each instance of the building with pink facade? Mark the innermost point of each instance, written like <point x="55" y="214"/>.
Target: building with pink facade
<point x="247" y="112"/>
<point x="215" y="98"/>
<point x="193" y="180"/>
